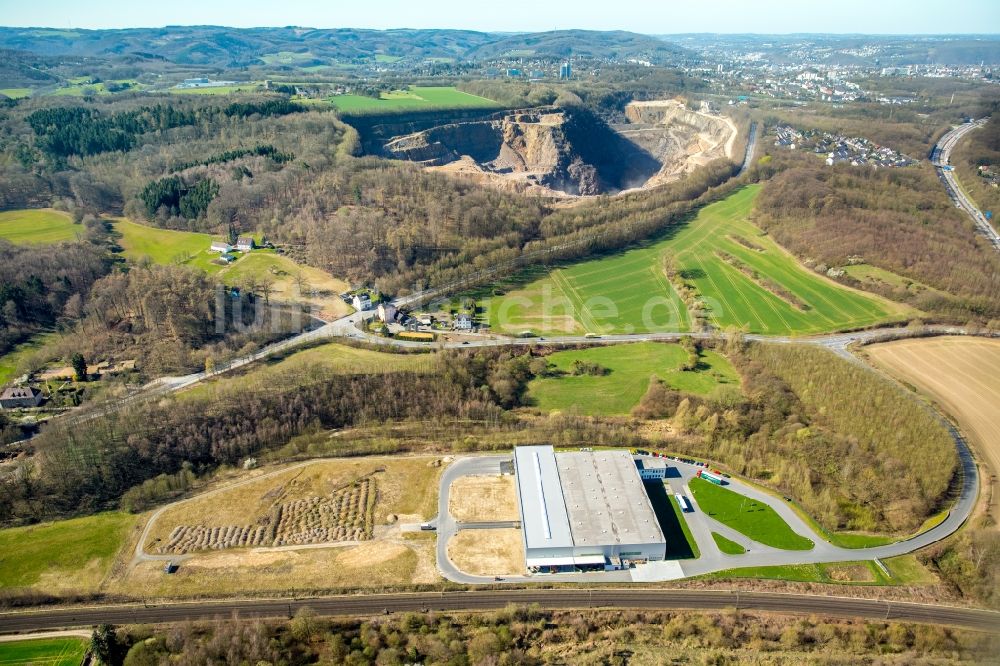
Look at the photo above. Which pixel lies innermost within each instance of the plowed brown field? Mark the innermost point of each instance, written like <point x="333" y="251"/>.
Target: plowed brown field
<point x="961" y="374"/>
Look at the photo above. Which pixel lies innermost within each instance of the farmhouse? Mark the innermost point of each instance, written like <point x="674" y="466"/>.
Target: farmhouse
<point x="362" y="302"/>
<point x="245" y="243"/>
<point x="221" y="247"/>
<point x="463" y="322"/>
<point x="386" y="312"/>
<point x="20" y="396"/>
<point x="583" y="508"/>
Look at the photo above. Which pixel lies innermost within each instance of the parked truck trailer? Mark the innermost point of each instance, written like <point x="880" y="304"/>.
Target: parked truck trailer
<point x="711" y="477"/>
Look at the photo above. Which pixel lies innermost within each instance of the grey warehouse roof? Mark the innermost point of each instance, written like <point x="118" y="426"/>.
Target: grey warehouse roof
<point x="543" y="512"/>
<point x="585" y="498"/>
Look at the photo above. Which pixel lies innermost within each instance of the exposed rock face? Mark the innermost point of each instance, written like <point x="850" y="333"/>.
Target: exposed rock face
<point x="567" y="151"/>
<point x="680" y="139"/>
<point x="570" y="151"/>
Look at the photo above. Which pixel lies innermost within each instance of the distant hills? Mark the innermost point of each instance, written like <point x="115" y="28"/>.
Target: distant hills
<point x="305" y="47"/>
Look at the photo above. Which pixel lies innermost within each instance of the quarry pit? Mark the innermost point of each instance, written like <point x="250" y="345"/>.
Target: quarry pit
<point x="565" y="152"/>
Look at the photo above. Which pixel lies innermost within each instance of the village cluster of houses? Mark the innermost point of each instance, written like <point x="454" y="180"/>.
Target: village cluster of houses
<point x="990" y="174"/>
<point x="225" y="250"/>
<point x="387" y="313"/>
<point x="840" y="149"/>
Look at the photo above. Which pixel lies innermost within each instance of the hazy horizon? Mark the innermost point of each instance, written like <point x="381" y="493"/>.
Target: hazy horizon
<point x="730" y="17"/>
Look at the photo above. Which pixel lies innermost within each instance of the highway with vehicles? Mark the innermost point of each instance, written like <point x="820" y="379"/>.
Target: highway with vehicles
<point x="483" y="599"/>
<point x="941" y="157"/>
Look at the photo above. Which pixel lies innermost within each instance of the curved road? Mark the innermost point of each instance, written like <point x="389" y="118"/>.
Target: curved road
<point x="941" y="157"/>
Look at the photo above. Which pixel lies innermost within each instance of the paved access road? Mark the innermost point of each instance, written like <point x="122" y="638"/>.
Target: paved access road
<point x="604" y="597"/>
<point x="940" y="158"/>
<point x="702" y="525"/>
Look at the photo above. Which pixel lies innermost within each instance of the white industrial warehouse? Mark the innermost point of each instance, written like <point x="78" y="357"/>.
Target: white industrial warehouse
<point x="583" y="509"/>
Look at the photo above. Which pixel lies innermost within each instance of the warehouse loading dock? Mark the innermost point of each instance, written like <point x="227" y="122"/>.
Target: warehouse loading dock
<point x="584" y="510"/>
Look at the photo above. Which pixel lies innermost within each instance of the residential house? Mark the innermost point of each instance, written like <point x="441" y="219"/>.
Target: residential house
<point x="245" y="243"/>
<point x="386" y="312"/>
<point x="463" y="322"/>
<point x="362" y="302"/>
<point x="221" y="247"/>
<point x="20" y="396"/>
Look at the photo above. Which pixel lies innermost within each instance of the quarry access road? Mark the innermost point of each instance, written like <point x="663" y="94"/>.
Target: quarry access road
<point x="607" y="597"/>
<point x="940" y="157"/>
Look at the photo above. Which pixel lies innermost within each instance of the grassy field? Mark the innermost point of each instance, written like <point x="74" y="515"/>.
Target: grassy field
<point x="81" y="87"/>
<point x="903" y="570"/>
<point x="62" y="556"/>
<point x="15" y="93"/>
<point x="748" y="517"/>
<point x="164" y="246"/>
<point x="37" y="226"/>
<point x="327" y="358"/>
<point x="631" y="367"/>
<point x="10" y="361"/>
<point x="216" y="90"/>
<point x="628" y="292"/>
<point x="318" y="288"/>
<point x="961" y="374"/>
<point x="727" y="546"/>
<point x="44" y="652"/>
<point x="413" y="98"/>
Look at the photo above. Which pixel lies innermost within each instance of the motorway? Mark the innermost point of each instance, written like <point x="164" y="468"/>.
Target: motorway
<point x="941" y="157"/>
<point x="481" y="600"/>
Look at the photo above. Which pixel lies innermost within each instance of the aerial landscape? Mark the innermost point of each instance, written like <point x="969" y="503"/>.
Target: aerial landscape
<point x="431" y="333"/>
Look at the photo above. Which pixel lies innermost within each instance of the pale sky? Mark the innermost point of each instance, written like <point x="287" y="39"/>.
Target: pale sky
<point x="645" y="16"/>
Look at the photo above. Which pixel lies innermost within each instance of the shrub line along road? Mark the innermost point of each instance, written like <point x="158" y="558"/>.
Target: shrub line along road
<point x="940" y="158"/>
<point x="482" y="600"/>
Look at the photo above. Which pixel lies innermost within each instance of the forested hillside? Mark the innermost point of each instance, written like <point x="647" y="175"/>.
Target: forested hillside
<point x="899" y="220"/>
<point x="849" y="446"/>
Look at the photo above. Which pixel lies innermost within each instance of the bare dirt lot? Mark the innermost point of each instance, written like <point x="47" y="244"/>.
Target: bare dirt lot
<point x="483" y="499"/>
<point x="372" y="564"/>
<point x="962" y="374"/>
<point x="488" y="552"/>
<point x="324" y="501"/>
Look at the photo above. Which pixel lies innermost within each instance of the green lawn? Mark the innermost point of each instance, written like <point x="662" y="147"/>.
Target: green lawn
<point x="217" y="90"/>
<point x="37" y="226"/>
<point x="44" y="652"/>
<point x="79" y="87"/>
<point x="749" y="517"/>
<point x="329" y="358"/>
<point x="15" y="93"/>
<point x="728" y="546"/>
<point x="413" y="98"/>
<point x="165" y="246"/>
<point x="66" y="555"/>
<point x="631" y="367"/>
<point x="627" y="292"/>
<point x="10" y="361"/>
<point x="903" y="570"/>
